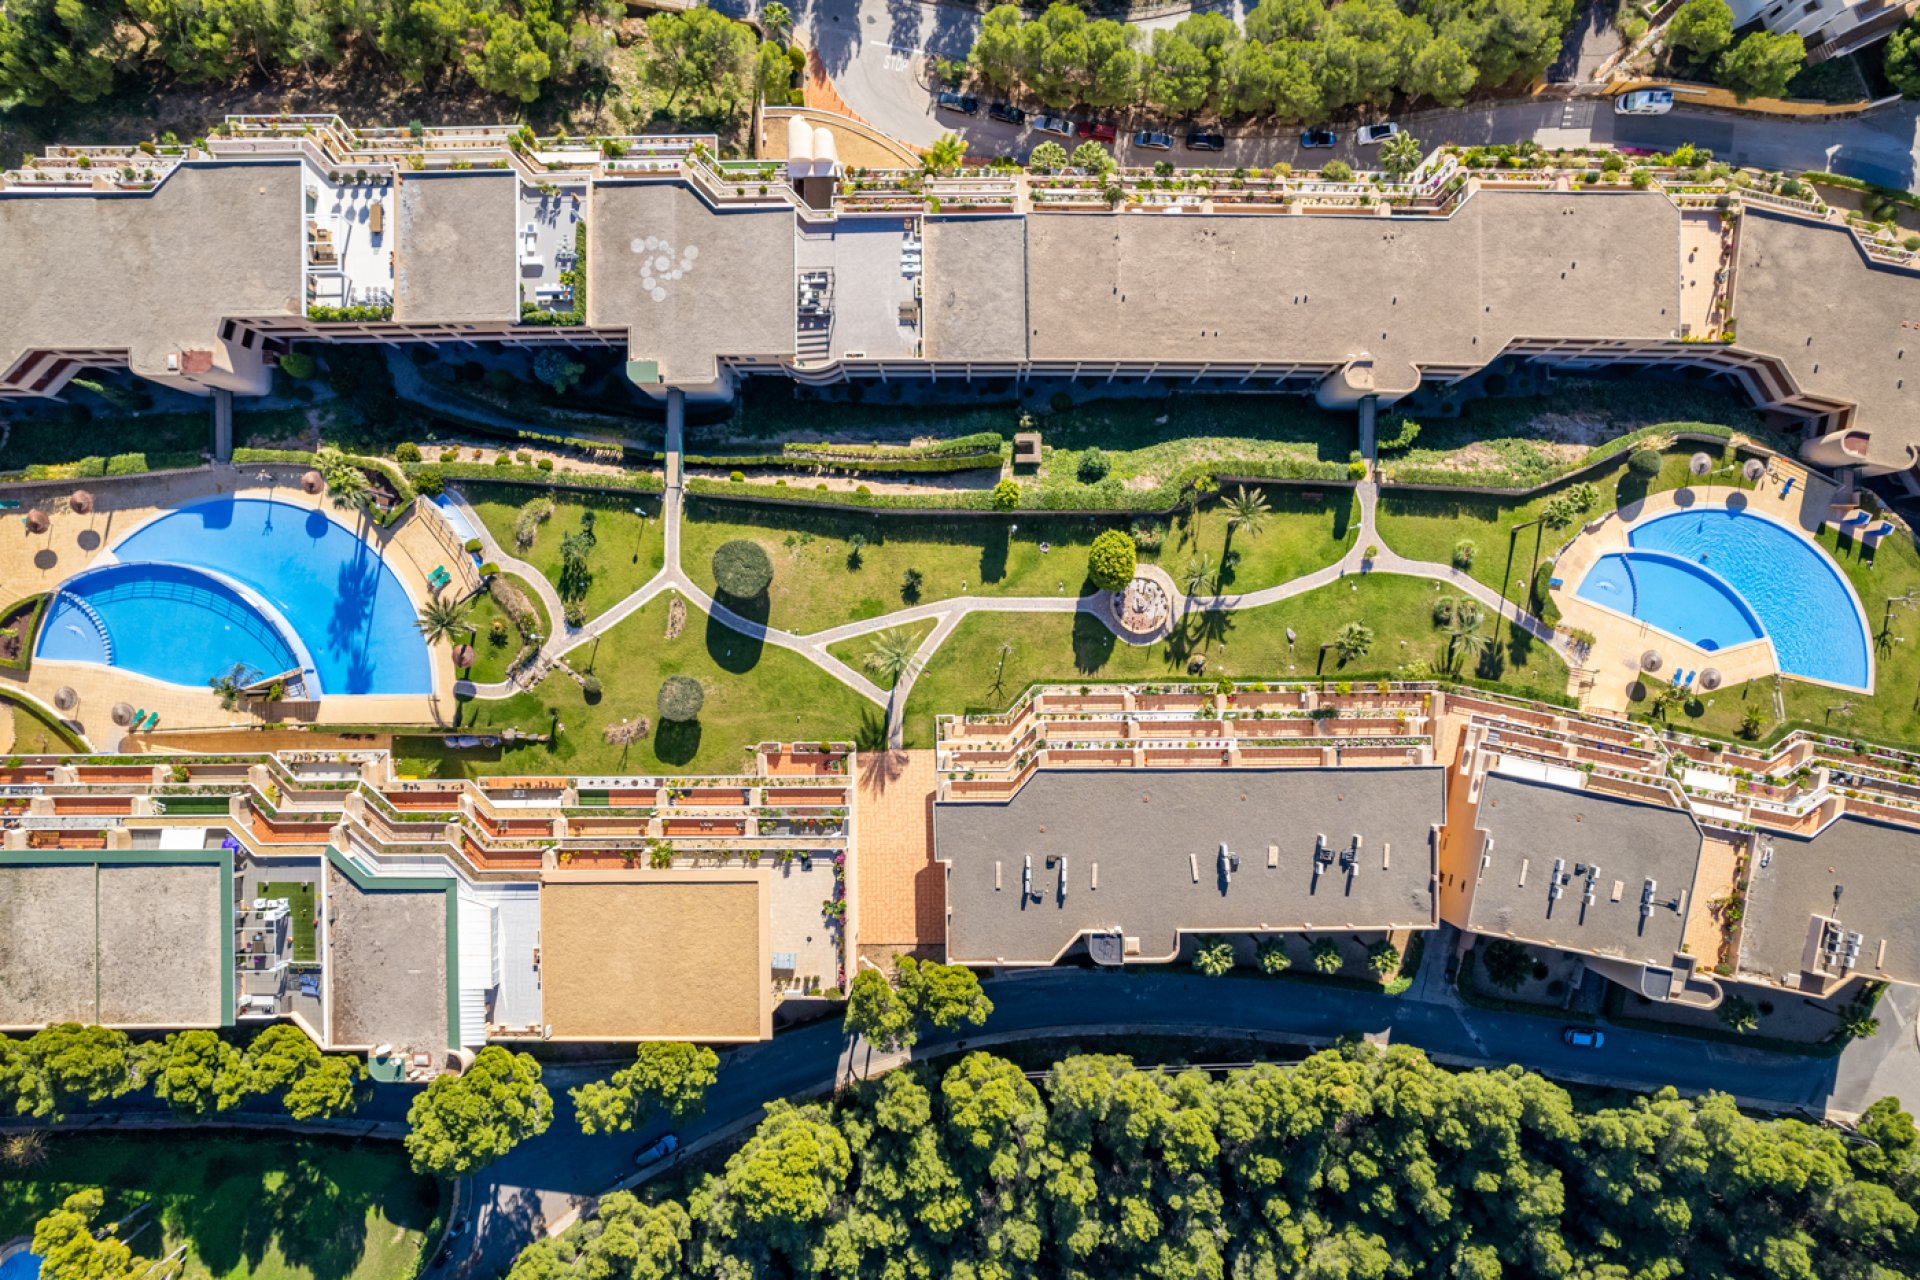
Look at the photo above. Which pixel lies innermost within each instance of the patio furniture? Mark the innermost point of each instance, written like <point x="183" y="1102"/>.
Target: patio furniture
<point x="138" y="716"/>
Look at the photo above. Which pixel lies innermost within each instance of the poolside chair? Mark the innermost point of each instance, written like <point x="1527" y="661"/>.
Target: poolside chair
<point x="153" y="721"/>
<point x="133" y="726"/>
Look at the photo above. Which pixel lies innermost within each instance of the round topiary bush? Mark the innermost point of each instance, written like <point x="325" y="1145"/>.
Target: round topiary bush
<point x="681" y="698"/>
<point x="1094" y="466"/>
<point x="741" y="569"/>
<point x="1111" y="560"/>
<point x="406" y="451"/>
<point x="297" y="365"/>
<point x="1644" y="462"/>
<point x="1006" y="495"/>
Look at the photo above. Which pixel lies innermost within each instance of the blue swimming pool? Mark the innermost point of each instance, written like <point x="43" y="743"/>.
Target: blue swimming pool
<point x="21" y="1266"/>
<point x="320" y="588"/>
<point x="1718" y="577"/>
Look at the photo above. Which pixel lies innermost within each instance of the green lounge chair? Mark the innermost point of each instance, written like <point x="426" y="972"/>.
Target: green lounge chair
<point x="153" y="722"/>
<point x="138" y="716"/>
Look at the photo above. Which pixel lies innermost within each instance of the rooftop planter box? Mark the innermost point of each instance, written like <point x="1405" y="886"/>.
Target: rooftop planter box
<point x="1310" y="756"/>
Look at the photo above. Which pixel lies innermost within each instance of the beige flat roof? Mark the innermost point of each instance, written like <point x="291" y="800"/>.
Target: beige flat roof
<point x="689" y="282"/>
<point x="975" y="288"/>
<point x="1408" y="292"/>
<point x="667" y="955"/>
<point x="150" y="273"/>
<point x="455" y="259"/>
<point x="1806" y="295"/>
<point x="124" y="945"/>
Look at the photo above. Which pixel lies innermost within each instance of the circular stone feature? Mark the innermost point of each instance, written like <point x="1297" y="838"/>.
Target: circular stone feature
<point x="1143" y="608"/>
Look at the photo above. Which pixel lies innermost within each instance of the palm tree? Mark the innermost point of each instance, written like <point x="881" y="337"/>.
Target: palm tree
<point x="944" y="155"/>
<point x="442" y="619"/>
<point x="231" y="684"/>
<point x="348" y="489"/>
<point x="891" y="659"/>
<point x="1465" y="639"/>
<point x="777" y="19"/>
<point x="1198" y="575"/>
<point x="1352" y="641"/>
<point x="1246" y="509"/>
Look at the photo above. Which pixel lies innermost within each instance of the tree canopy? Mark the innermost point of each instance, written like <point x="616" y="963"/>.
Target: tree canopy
<point x="460" y="1123"/>
<point x="669" y="1077"/>
<point x="1355" y="1164"/>
<point x="889" y="1014"/>
<point x="1761" y="65"/>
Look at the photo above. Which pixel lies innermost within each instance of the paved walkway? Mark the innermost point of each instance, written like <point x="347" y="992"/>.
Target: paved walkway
<point x="945" y="614"/>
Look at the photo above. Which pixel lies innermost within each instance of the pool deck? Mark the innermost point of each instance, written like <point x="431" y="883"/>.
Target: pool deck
<point x="1620" y="640"/>
<point x="31" y="564"/>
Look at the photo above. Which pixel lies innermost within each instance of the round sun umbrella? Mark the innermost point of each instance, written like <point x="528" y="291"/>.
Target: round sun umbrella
<point x="1754" y="469"/>
<point x="1710" y="679"/>
<point x="463" y="656"/>
<point x="313" y="482"/>
<point x="1699" y="464"/>
<point x="81" y="503"/>
<point x="122" y="714"/>
<point x="1650" y="661"/>
<point x="38" y="521"/>
<point x="65" y="698"/>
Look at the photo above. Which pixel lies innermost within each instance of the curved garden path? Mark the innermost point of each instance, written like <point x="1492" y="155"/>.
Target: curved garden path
<point x="948" y="614"/>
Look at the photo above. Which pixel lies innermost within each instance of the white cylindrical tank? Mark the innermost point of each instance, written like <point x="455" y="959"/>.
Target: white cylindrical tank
<point x="799" y="147"/>
<point x="826" y="153"/>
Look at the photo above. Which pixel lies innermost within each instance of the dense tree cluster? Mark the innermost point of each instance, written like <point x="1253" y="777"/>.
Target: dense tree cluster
<point x="65" y="49"/>
<point x="889" y="1014"/>
<point x="1297" y="60"/>
<point x="68" y="1066"/>
<point x="459" y="1123"/>
<point x="1356" y="1164"/>
<point x="1700" y="39"/>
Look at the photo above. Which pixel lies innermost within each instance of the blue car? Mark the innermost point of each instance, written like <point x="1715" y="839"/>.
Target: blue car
<point x="1321" y="137"/>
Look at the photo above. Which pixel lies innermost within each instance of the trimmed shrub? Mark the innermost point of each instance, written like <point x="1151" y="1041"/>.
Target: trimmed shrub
<point x="741" y="569"/>
<point x="429" y="483"/>
<point x="1006" y="495"/>
<point x="1111" y="560"/>
<point x="406" y="451"/>
<point x="471" y="545"/>
<point x="1463" y="553"/>
<point x="1094" y="466"/>
<point x="297" y="365"/>
<point x="1644" y="462"/>
<point x="681" y="698"/>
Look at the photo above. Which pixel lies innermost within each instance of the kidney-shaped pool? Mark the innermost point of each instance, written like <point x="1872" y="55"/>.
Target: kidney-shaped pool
<point x="247" y="580"/>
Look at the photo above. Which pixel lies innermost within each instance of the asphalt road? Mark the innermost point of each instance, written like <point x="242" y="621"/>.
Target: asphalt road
<point x="513" y="1200"/>
<point x="879" y="54"/>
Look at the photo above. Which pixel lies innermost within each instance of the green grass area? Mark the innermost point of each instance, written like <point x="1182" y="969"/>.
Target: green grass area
<point x="271" y="1208"/>
<point x="1424" y="525"/>
<point x="854" y="652"/>
<point x="1891" y="714"/>
<point x="299" y="895"/>
<point x="754" y="693"/>
<point x="1516" y="441"/>
<point x="816" y="583"/>
<point x="967" y="673"/>
<point x="491" y="658"/>
<point x="33" y="733"/>
<point x="628" y="549"/>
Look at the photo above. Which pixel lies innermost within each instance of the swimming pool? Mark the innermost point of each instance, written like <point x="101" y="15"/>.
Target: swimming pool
<point x="20" y="1266"/>
<point x="316" y="590"/>
<point x="1727" y="577"/>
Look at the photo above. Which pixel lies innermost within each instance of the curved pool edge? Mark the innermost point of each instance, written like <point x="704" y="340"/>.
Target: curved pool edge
<point x="1762" y="639"/>
<point x="1827" y="562"/>
<point x="272" y="616"/>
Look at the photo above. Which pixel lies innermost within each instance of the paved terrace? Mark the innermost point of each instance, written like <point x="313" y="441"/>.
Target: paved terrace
<point x="1138" y="852"/>
<point x="150" y="274"/>
<point x="1623" y="844"/>
<point x="457" y="258"/>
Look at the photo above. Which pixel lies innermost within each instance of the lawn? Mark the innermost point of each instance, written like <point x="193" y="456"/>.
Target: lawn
<point x="1245" y="645"/>
<point x="754" y="693"/>
<point x="1892" y="714"/>
<point x="247" y="1209"/>
<point x="854" y="652"/>
<point x="1425" y="525"/>
<point x="627" y="551"/>
<point x="491" y="656"/>
<point x="33" y="733"/>
<point x="818" y="582"/>
<point x="299" y="895"/>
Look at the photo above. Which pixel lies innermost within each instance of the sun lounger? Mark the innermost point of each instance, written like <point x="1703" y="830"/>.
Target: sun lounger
<point x="138" y="716"/>
<point x="153" y="721"/>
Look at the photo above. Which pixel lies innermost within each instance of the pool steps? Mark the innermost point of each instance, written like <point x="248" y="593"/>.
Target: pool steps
<point x="99" y="624"/>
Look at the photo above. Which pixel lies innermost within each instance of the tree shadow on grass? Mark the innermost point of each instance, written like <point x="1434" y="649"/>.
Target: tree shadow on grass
<point x="993" y="553"/>
<point x="676" y="741"/>
<point x="1092" y="644"/>
<point x="732" y="650"/>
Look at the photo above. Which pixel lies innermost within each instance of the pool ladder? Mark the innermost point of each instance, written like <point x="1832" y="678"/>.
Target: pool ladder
<point x="93" y="616"/>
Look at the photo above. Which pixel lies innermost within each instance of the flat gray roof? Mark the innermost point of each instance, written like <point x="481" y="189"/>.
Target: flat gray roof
<point x="1142" y="857"/>
<point x="1864" y="874"/>
<point x="1508" y="264"/>
<point x="455" y="258"/>
<point x="386" y="966"/>
<point x="150" y="273"/>
<point x="1531" y="825"/>
<point x="975" y="288"/>
<point x="124" y="945"/>
<point x="687" y="281"/>
<point x="1806" y="295"/>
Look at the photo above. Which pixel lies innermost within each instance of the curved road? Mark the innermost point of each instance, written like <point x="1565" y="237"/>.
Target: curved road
<point x="554" y="1175"/>
<point x="879" y="53"/>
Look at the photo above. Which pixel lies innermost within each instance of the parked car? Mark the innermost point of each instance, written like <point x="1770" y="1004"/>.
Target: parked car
<point x="1584" y="1037"/>
<point x="666" y="1146"/>
<point x="1206" y="140"/>
<point x="1097" y="130"/>
<point x="1321" y="137"/>
<point x="1008" y="112"/>
<point x="1373" y="134"/>
<point x="1644" y="102"/>
<point x="966" y="104"/>
<point x="1054" y="124"/>
<point x="1153" y="141"/>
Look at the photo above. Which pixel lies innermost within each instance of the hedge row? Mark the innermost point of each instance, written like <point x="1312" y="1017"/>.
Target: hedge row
<point x="1513" y="484"/>
<point x="120" y="464"/>
<point x="856" y="466"/>
<point x="28" y="627"/>
<point x="621" y="482"/>
<point x="978" y="442"/>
